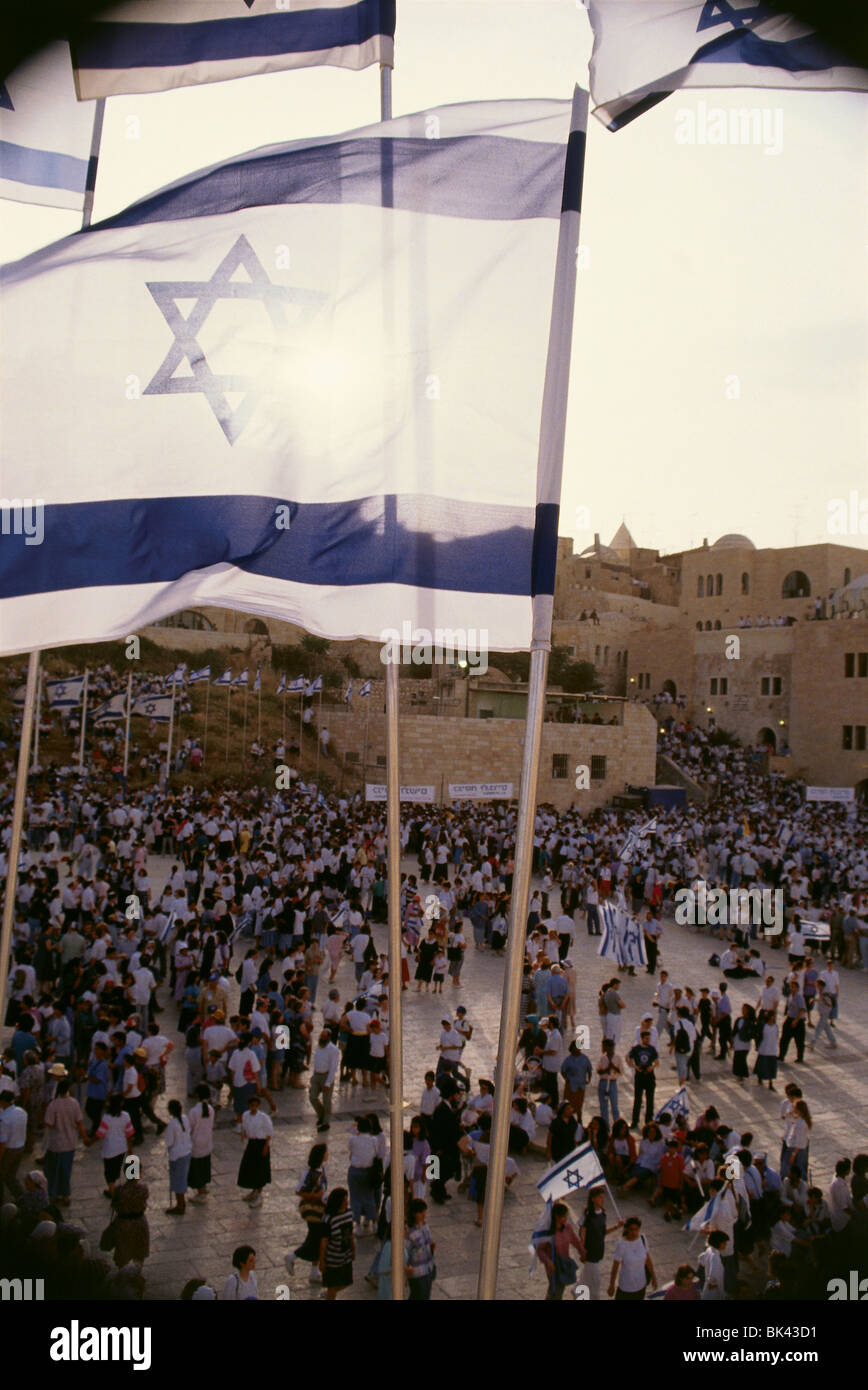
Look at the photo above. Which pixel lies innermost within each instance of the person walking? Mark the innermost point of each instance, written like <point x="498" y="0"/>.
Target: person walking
<point x="608" y="1070"/>
<point x="361" y="1175"/>
<point x="337" y="1245"/>
<point x="632" y="1266"/>
<point x="63" y="1120"/>
<point x="324" y="1065"/>
<point x="592" y="1235"/>
<point x="576" y="1069"/>
<point x="554" y="1251"/>
<point x="254" y="1171"/>
<point x="312" y="1191"/>
<point x="202" y="1136"/>
<point x="179" y="1146"/>
<point x="795" y="1014"/>
<point x="766" y="1065"/>
<point x="419" y="1248"/>
<point x="115" y="1129"/>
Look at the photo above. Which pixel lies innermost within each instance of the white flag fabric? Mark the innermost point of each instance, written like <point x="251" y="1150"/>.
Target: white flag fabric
<point x="622" y="940"/>
<point x="241" y="679"/>
<point x="225" y="679"/>
<point x="203" y="674"/>
<point x="178" y="674"/>
<point x="383" y="391"/>
<point x="699" y="1218"/>
<point x="257" y="680"/>
<point x="297" y="686"/>
<point x="153" y="45"/>
<point x="634" y="839"/>
<point x="679" y="1104"/>
<point x="114" y="708"/>
<point x="45" y="134"/>
<point x="365" y="690"/>
<point x="348" y="694"/>
<point x="579" y="1170"/>
<point x="156" y="707"/>
<point x="313" y="687"/>
<point x="645" y="49"/>
<point x="63" y="694"/>
<point x="19" y="696"/>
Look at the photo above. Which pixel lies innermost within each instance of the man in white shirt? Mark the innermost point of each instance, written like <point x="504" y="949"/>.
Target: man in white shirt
<point x="324" y="1065"/>
<point x="244" y="1070"/>
<point x="551" y="1059"/>
<point x="449" y="1048"/>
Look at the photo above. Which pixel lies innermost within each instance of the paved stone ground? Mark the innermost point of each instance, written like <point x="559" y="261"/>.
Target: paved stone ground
<point x="201" y="1243"/>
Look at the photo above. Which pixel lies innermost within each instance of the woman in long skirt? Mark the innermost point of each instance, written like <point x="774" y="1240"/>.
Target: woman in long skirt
<point x="179" y="1145"/>
<point x="255" y="1170"/>
<point x="201" y="1119"/>
<point x="766" y="1067"/>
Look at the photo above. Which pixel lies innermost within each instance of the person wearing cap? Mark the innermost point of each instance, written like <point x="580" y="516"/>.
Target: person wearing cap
<point x="63" y="1121"/>
<point x="213" y="997"/>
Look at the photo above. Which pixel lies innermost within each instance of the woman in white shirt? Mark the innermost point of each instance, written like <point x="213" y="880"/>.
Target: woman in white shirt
<point x="179" y="1146"/>
<point x="254" y="1171"/>
<point x="362" y="1174"/>
<point x="766" y="1067"/>
<point x="241" y="1286"/>
<point x="632" y="1267"/>
<point x="201" y="1133"/>
<point x="796" y="1140"/>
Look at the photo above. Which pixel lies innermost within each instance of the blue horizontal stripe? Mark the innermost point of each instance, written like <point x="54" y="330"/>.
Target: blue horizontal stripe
<point x="486" y="177"/>
<point x="121" y="44"/>
<point x="810" y="53"/>
<point x="42" y="168"/>
<point x="385" y="540"/>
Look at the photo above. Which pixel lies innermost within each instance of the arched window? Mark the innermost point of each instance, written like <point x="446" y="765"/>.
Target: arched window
<point x="717" y="625"/>
<point x="796" y="585"/>
<point x="745" y="583"/>
<point x="256" y="625"/>
<point x="766" y="738"/>
<point x="597" y="655"/>
<point x="670" y="688"/>
<point x="708" y="626"/>
<point x="709" y="585"/>
<point x="718" y="584"/>
<point x="188" y="618"/>
<point x="699" y="627"/>
<point x="700" y="587"/>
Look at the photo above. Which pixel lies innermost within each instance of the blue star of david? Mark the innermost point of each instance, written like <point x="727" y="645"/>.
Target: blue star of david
<point x="150" y="707"/>
<point x="207" y="293"/>
<point x="59" y="690"/>
<point x="573" y="1178"/>
<point x="716" y="12"/>
<point x="5" y="99"/>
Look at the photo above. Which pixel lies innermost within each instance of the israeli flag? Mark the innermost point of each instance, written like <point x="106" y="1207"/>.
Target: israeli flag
<point x="167" y="929"/>
<point x="257" y="682"/>
<point x="297" y="686"/>
<point x="622" y="940"/>
<point x="365" y="690"/>
<point x="678" y="1104"/>
<point x="63" y="694"/>
<point x="19" y="696"/>
<point x="241" y="679"/>
<point x="281" y="685"/>
<point x="349" y="693"/>
<point x="646" y="49"/>
<point x="324" y="408"/>
<point x="203" y="674"/>
<point x="314" y="687"/>
<point x="115" y="708"/>
<point x="226" y="678"/>
<point x="156" y="707"/>
<point x="542" y="1231"/>
<point x="154" y="45"/>
<point x="45" y="134"/>
<point x="578" y="1171"/>
<point x="177" y="675"/>
<point x="699" y="1218"/>
<point x="634" y="839"/>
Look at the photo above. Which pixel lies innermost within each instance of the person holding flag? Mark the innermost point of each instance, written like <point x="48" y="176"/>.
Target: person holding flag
<point x="554" y="1251"/>
<point x="592" y="1234"/>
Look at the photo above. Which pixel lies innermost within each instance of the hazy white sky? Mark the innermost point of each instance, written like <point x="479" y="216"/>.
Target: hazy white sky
<point x="719" y="354"/>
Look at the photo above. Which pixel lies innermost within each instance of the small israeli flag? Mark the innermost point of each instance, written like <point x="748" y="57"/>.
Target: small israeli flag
<point x="226" y="678"/>
<point x="281" y="689"/>
<point x="257" y="683"/>
<point x="676" y="1105"/>
<point x="699" y="1218"/>
<point x="18" y="696"/>
<point x="242" y="678"/>
<point x="314" y="687"/>
<point x="203" y="674"/>
<point x="298" y="686"/>
<point x="578" y="1171"/>
<point x="365" y="690"/>
<point x="349" y="694"/>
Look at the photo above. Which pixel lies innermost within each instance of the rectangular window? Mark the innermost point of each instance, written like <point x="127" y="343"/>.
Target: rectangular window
<point x="847" y="740"/>
<point x="352" y="757"/>
<point x="863" y="664"/>
<point x="598" y="767"/>
<point x="724" y="685"/>
<point x="777" y="685"/>
<point x="381" y="760"/>
<point x="713" y="685"/>
<point x="849" y="665"/>
<point x="860" y="737"/>
<point x="765" y="685"/>
<point x="559" y="766"/>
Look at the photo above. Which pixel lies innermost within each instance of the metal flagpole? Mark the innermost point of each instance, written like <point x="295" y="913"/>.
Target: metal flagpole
<point x="318" y="735"/>
<point x="283" y="715"/>
<point x="17" y="823"/>
<point x="396" y="1036"/>
<point x="259" y="713"/>
<point x="90" y="186"/>
<point x="207" y="699"/>
<point x="83" y="720"/>
<point x="127" y="725"/>
<point x="35" y="763"/>
<point x="171" y="729"/>
<point x="244" y="725"/>
<point x="228" y="718"/>
<point x="549" y="472"/>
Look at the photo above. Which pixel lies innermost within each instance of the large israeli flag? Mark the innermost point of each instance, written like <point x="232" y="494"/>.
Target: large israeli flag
<point x="45" y="134"/>
<point x="64" y="694"/>
<point x="579" y="1170"/>
<point x="622" y="940"/>
<point x="156" y="707"/>
<point x="679" y="1104"/>
<point x="152" y="45"/>
<point x="349" y="334"/>
<point x="111" y="709"/>
<point x="646" y="49"/>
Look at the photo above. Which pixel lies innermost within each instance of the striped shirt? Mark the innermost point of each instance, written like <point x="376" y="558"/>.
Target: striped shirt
<point x="339" y="1234"/>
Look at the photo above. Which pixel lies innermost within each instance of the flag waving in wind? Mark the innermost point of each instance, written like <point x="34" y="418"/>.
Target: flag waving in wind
<point x="203" y="674"/>
<point x="634" y="839"/>
<point x="313" y="687"/>
<point x="623" y="940"/>
<point x="281" y="685"/>
<point x="45" y="134"/>
<point x="315" y="410"/>
<point x="114" y="708"/>
<point x="153" y="45"/>
<point x="348" y="694"/>
<point x="579" y="1170"/>
<point x="156" y="707"/>
<point x="226" y="678"/>
<point x="242" y="677"/>
<point x="678" y="1104"/>
<point x="63" y="694"/>
<point x="646" y="49"/>
<point x="365" y="690"/>
<point x="297" y="686"/>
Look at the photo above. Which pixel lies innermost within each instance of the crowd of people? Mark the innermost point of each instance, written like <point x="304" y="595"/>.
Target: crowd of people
<point x="237" y="954"/>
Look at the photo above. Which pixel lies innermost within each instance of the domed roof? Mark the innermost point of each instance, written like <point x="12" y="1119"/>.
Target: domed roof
<point x="734" y="542"/>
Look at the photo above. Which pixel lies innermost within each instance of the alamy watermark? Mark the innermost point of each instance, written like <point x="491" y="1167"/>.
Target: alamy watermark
<point x="757" y="126"/>
<point x="23" y="517"/>
<point x="419" y="646"/>
<point x="736" y="907"/>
